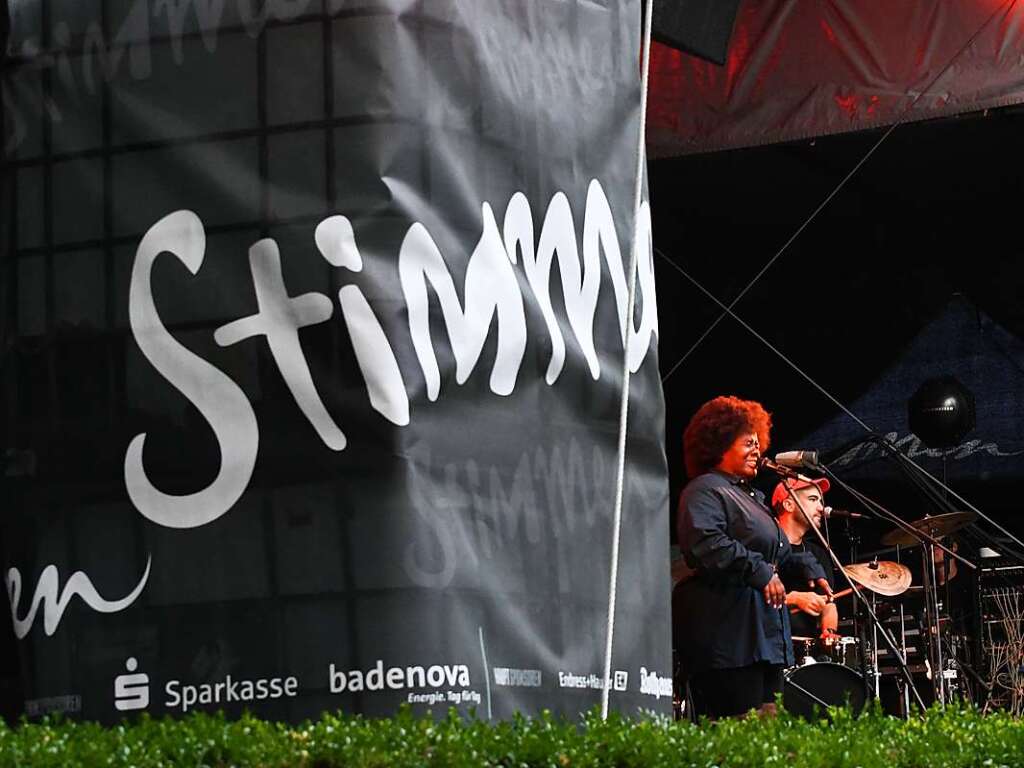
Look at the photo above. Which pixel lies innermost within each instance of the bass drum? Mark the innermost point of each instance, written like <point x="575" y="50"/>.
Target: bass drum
<point x="816" y="686"/>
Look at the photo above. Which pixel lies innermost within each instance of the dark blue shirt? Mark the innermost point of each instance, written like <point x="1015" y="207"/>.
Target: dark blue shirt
<point x="733" y="542"/>
<point x="803" y="624"/>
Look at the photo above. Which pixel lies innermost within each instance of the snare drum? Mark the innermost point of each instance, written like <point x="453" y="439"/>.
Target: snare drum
<point x="821" y="685"/>
<point x="846" y="651"/>
<point x="804" y="650"/>
<point x="812" y="650"/>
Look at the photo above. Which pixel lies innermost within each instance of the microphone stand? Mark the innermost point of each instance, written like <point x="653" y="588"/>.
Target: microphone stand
<point x="889" y="641"/>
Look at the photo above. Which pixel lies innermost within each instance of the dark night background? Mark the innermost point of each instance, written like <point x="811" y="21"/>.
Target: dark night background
<point x="934" y="212"/>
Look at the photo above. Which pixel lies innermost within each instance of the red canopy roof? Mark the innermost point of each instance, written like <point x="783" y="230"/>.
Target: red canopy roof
<point x="798" y="69"/>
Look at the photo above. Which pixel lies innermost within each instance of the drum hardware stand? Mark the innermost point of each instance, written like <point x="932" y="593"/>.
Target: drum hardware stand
<point x="796" y="686"/>
<point x="901" y="659"/>
<point x="930" y="588"/>
<point x="904" y="693"/>
<point x="972" y="673"/>
<point x="919" y="477"/>
<point x="867" y="671"/>
<point x="876" y="672"/>
<point x="890" y="642"/>
<point x="907" y="465"/>
<point x="853" y="537"/>
<point x="931" y="612"/>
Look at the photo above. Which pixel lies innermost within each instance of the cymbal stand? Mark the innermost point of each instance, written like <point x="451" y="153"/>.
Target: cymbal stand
<point x="931" y="612"/>
<point x="917" y="475"/>
<point x="889" y="641"/>
<point x="904" y="693"/>
<point x="930" y="544"/>
<point x="877" y="673"/>
<point x="859" y="629"/>
<point x="900" y="656"/>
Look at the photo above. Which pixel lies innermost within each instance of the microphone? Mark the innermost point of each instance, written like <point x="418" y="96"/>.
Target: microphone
<point x="771" y="466"/>
<point x="830" y="512"/>
<point x="797" y="458"/>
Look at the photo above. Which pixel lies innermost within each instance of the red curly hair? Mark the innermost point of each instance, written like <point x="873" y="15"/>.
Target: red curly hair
<point x="715" y="427"/>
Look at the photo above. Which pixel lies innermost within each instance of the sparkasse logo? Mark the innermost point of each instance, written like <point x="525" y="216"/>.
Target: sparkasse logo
<point x="131" y="691"/>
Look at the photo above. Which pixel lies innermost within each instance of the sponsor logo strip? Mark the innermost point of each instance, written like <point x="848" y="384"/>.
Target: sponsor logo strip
<point x="39" y="707"/>
<point x="653" y="684"/>
<point x="131" y="691"/>
<point x="454" y="677"/>
<point x="517" y="678"/>
<point x="620" y="680"/>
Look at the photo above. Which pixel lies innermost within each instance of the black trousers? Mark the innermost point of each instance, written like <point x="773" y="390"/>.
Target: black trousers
<point x="732" y="692"/>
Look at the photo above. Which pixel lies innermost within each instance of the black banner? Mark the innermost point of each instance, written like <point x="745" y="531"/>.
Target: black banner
<point x="313" y="328"/>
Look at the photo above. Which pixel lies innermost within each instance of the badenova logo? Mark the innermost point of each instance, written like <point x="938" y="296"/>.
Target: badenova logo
<point x="453" y="677"/>
<point x="131" y="691"/>
<point x="652" y="684"/>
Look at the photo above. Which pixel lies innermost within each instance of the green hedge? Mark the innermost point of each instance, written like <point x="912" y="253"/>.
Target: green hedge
<point x="956" y="737"/>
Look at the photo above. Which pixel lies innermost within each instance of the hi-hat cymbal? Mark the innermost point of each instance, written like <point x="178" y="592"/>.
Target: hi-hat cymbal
<point x="884" y="576"/>
<point x="936" y="526"/>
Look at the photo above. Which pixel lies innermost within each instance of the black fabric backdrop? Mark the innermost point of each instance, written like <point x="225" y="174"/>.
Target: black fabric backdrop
<point x="174" y="266"/>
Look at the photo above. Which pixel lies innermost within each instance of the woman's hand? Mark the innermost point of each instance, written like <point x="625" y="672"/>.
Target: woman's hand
<point x="774" y="592"/>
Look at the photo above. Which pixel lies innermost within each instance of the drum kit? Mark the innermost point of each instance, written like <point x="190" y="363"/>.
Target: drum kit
<point x="847" y="669"/>
<point x="841" y="669"/>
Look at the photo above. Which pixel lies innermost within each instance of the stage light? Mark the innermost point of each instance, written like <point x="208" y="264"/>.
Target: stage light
<point x="941" y="412"/>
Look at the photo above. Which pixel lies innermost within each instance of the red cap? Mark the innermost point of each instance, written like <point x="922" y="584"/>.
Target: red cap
<point x="795" y="484"/>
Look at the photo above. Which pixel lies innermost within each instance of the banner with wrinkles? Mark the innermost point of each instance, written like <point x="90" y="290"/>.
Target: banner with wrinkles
<point x="313" y="329"/>
<point x="797" y="70"/>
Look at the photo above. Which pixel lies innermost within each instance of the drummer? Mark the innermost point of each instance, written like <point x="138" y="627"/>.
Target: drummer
<point x="813" y="614"/>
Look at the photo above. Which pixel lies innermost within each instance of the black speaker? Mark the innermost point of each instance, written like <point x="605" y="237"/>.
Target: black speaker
<point x="700" y="27"/>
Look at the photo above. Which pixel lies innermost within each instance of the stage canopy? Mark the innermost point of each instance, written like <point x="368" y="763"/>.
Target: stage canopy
<point x="802" y="69"/>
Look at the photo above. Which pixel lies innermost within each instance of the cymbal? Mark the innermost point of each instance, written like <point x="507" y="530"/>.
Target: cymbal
<point x="936" y="526"/>
<point x="884" y="576"/>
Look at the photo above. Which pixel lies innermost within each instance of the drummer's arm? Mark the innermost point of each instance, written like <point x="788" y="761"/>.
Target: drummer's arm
<point x="829" y="620"/>
<point x="830" y="614"/>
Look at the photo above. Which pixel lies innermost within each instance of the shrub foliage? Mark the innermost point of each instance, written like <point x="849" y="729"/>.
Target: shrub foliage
<point x="957" y="736"/>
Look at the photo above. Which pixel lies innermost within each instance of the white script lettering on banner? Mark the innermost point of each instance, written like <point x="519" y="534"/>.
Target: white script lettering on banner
<point x="55" y="602"/>
<point x="492" y="296"/>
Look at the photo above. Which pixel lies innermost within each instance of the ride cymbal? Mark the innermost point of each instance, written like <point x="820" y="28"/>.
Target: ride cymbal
<point x="935" y="526"/>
